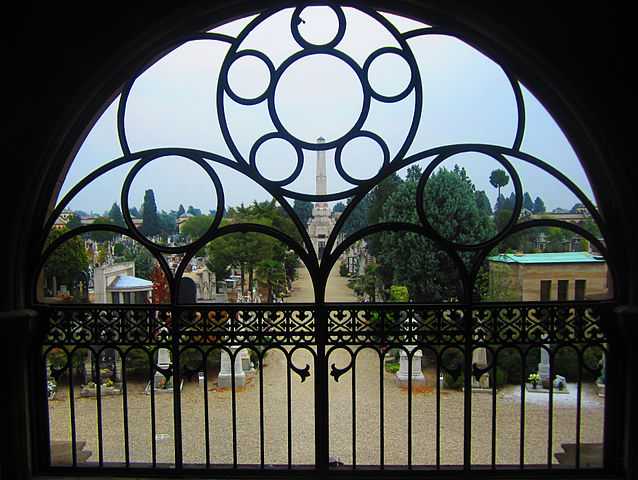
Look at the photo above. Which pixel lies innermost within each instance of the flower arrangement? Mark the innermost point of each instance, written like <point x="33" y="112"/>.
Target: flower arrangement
<point x="534" y="378"/>
<point x="108" y="383"/>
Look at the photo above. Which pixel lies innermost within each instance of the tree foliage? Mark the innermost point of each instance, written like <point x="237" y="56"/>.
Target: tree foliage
<point x="101" y="236"/>
<point x="144" y="261"/>
<point x="415" y="261"/>
<point x="160" y="292"/>
<point x="483" y="203"/>
<point x="303" y="210"/>
<point x="68" y="261"/>
<point x="115" y="214"/>
<point x="196" y="212"/>
<point x="338" y="207"/>
<point x="498" y="179"/>
<point x="245" y="251"/>
<point x="151" y="223"/>
<point x="74" y="221"/>
<point x="539" y="205"/>
<point x="527" y="202"/>
<point x="195" y="227"/>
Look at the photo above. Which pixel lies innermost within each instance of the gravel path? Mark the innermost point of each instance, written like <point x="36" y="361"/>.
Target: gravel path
<point x="395" y="419"/>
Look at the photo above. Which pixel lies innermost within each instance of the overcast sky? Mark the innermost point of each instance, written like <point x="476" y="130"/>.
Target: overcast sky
<point x="466" y="99"/>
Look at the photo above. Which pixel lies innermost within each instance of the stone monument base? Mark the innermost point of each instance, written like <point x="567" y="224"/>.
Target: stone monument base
<point x="166" y="388"/>
<point x="105" y="391"/>
<point x="225" y="380"/>
<point x="417" y="380"/>
<point x="540" y="389"/>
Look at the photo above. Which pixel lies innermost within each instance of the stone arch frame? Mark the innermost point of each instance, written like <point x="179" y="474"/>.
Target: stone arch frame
<point x="587" y="144"/>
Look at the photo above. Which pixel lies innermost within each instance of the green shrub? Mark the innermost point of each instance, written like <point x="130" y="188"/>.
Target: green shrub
<point x="399" y="293"/>
<point x="392" y="367"/>
<point x="453" y="383"/>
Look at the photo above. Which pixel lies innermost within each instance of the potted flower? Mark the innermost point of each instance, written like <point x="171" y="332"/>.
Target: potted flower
<point x="534" y="378"/>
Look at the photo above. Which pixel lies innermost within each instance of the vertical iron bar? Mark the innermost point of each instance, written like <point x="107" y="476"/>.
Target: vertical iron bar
<point x="289" y="411"/>
<point x="550" y="413"/>
<point x="495" y="357"/>
<point x="74" y="443"/>
<point x="322" y="411"/>
<point x="354" y="411"/>
<point x="98" y="394"/>
<point x="522" y="427"/>
<point x="467" y="393"/>
<point x="233" y="405"/>
<point x="261" y="408"/>
<point x="438" y="410"/>
<point x="127" y="454"/>
<point x="381" y="415"/>
<point x="153" y="432"/>
<point x="578" y="407"/>
<point x="410" y="410"/>
<point x="206" y="416"/>
<point x="177" y="391"/>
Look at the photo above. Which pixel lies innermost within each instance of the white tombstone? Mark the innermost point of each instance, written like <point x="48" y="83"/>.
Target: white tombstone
<point x="479" y="358"/>
<point x="160" y="382"/>
<point x="225" y="371"/>
<point x="164" y="358"/>
<point x="246" y="362"/>
<point x="403" y="374"/>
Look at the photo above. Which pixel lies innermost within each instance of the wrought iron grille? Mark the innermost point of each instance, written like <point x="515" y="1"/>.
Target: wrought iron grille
<point x="320" y="328"/>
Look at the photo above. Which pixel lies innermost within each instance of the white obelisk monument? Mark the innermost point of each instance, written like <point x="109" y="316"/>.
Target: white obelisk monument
<point x="321" y="223"/>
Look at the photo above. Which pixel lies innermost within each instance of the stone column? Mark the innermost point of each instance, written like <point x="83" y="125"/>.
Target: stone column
<point x="321" y="180"/>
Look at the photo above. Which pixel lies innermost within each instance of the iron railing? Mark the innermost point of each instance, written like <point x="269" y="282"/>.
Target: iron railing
<point x="319" y="331"/>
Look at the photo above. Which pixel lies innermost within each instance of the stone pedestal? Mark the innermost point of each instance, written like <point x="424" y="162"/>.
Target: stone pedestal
<point x="403" y="374"/>
<point x="225" y="371"/>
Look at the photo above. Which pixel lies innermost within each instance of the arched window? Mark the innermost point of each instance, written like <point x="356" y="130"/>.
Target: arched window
<point x="328" y="238"/>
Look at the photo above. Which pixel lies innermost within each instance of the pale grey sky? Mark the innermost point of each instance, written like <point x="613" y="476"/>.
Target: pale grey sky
<point x="466" y="99"/>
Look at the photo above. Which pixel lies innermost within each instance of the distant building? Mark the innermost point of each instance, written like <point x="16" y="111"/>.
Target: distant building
<point x="62" y="219"/>
<point x="562" y="276"/>
<point x="577" y="217"/>
<point x="117" y="283"/>
<point x="205" y="282"/>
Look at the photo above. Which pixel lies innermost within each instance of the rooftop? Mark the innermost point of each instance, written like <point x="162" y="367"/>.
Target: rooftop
<point x="126" y="282"/>
<point x="561" y="257"/>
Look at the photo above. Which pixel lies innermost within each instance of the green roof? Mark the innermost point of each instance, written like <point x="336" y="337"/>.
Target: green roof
<point x="562" y="257"/>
